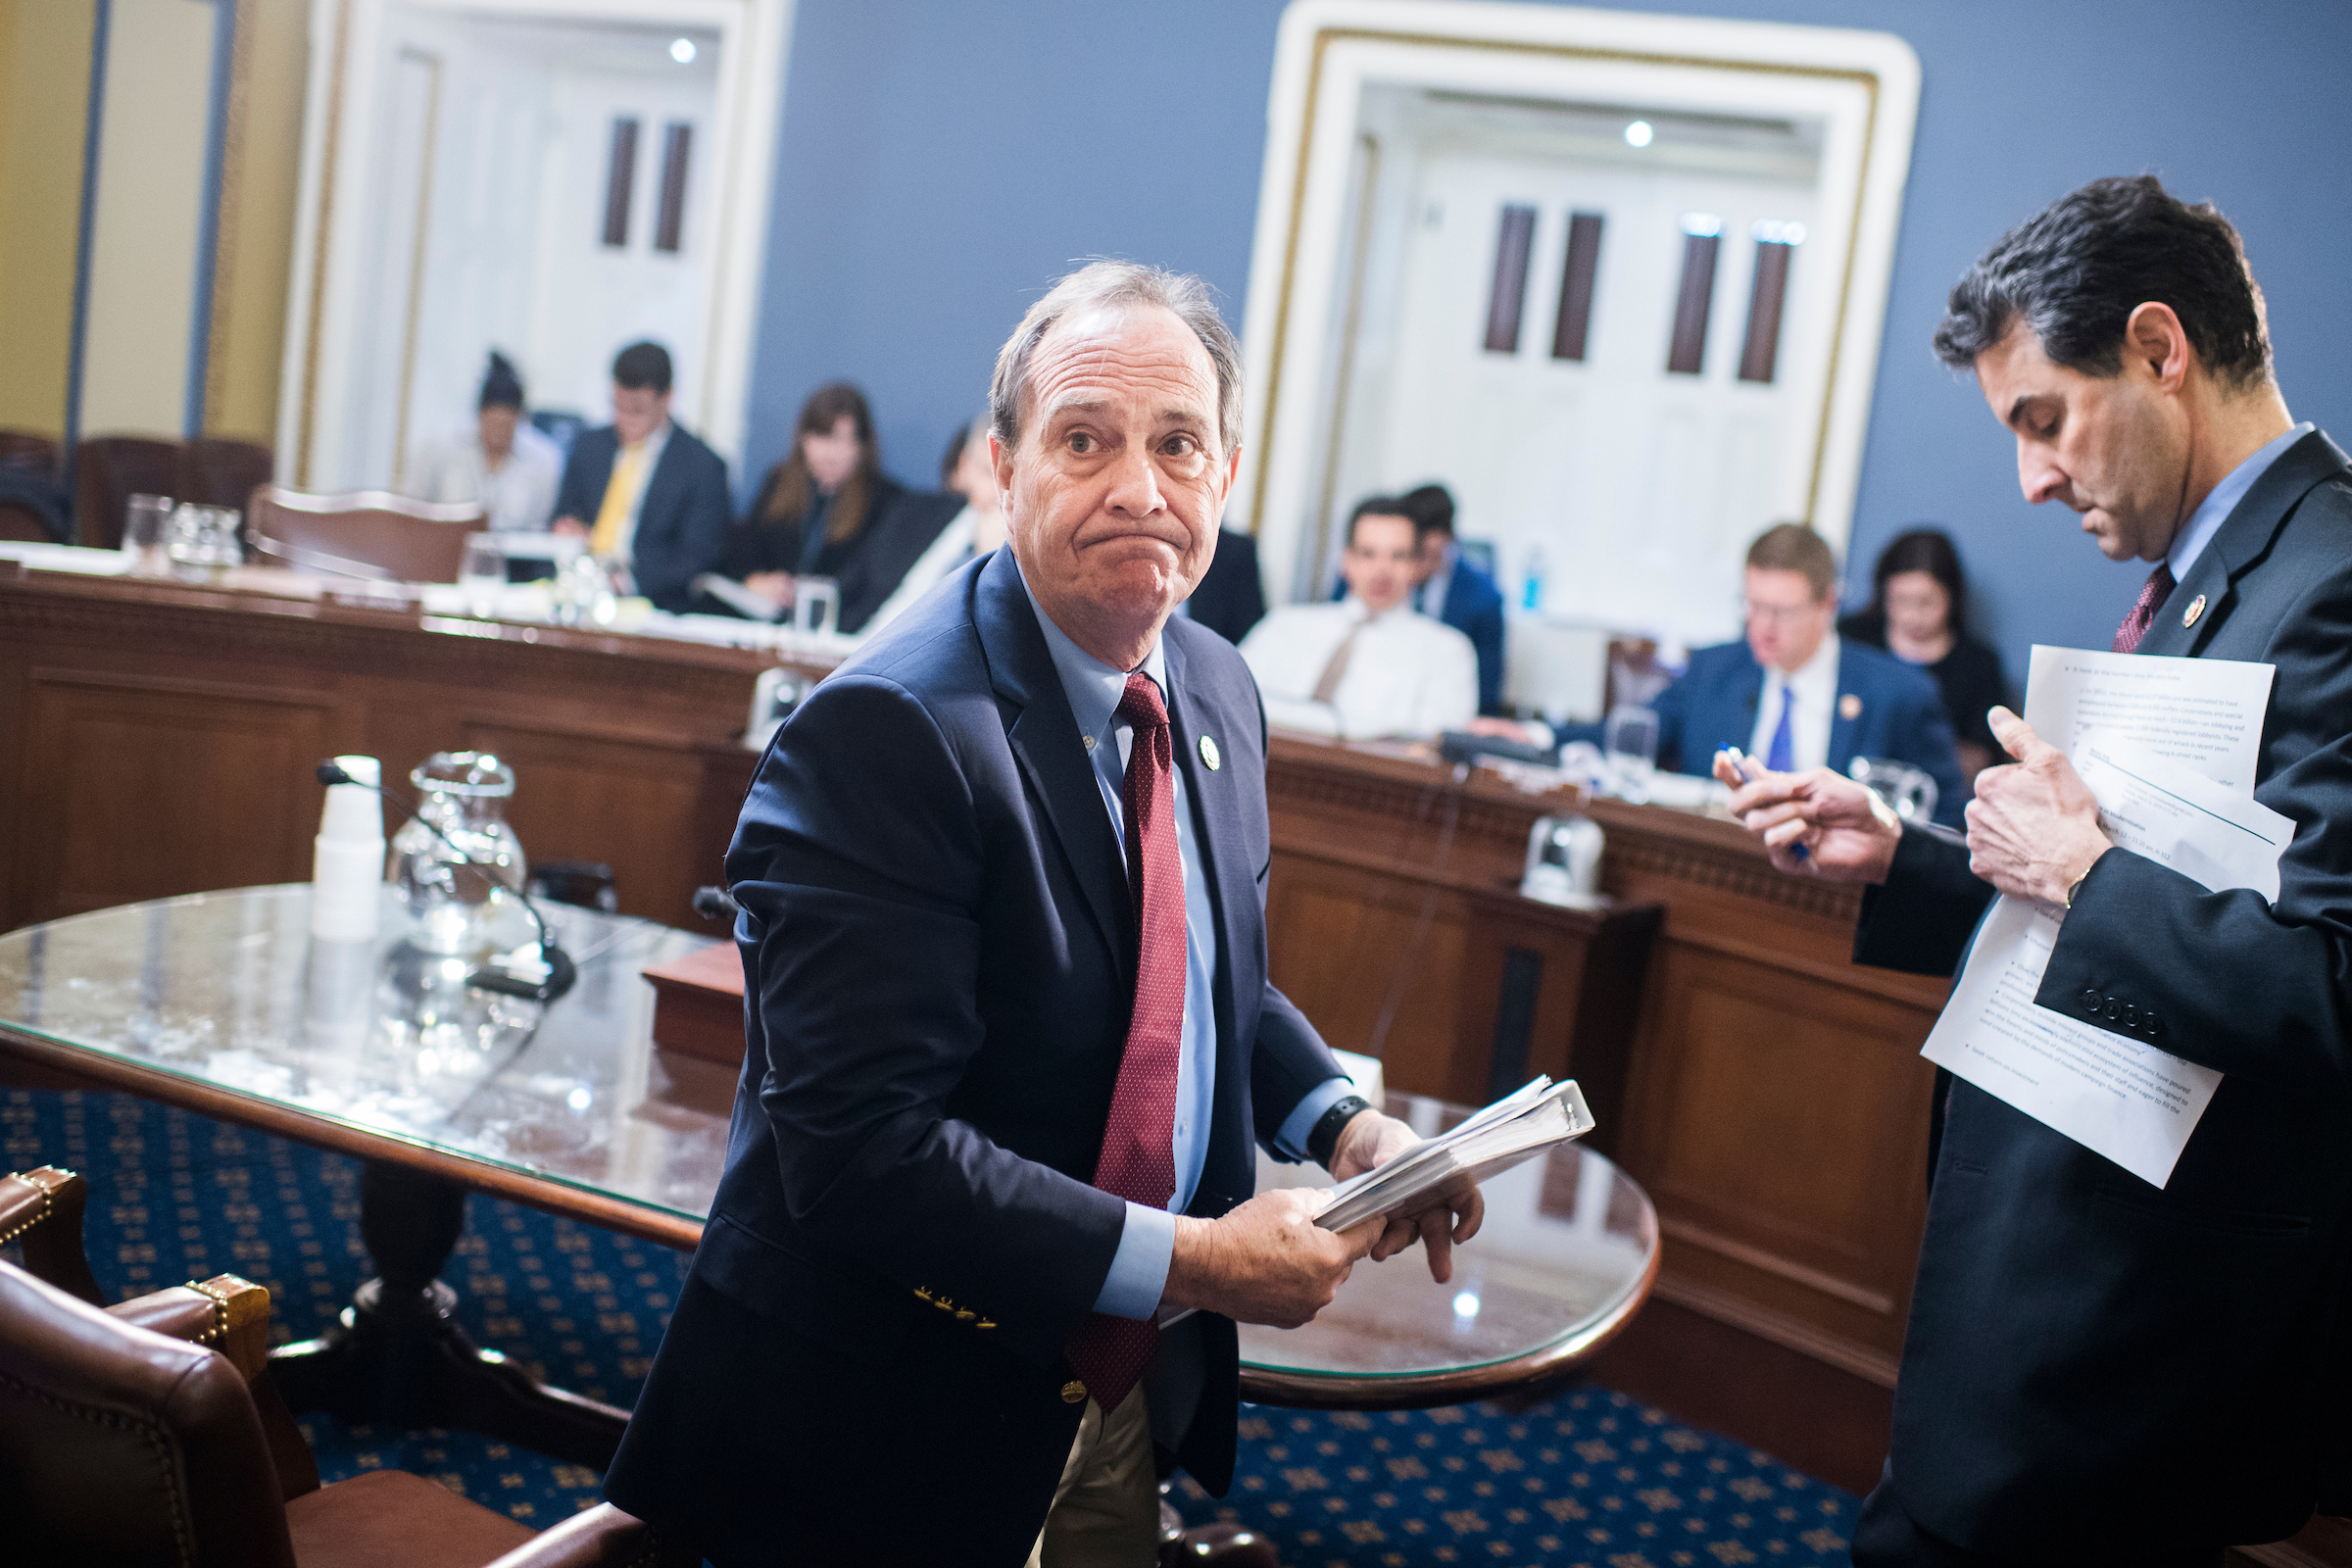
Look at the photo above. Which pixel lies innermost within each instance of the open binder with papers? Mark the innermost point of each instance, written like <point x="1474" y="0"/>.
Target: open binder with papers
<point x="1537" y="1119"/>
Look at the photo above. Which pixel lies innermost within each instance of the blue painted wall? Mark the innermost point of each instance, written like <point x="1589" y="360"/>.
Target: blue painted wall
<point x="941" y="162"/>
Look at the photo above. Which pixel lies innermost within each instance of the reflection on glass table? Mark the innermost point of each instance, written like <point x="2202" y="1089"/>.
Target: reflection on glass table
<point x="1564" y="1260"/>
<point x="223" y="1003"/>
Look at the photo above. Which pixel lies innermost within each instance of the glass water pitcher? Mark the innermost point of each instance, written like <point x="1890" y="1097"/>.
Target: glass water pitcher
<point x="455" y="903"/>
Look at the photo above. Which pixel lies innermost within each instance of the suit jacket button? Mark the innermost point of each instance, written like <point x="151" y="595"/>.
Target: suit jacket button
<point x="2094" y="1004"/>
<point x="1073" y="1393"/>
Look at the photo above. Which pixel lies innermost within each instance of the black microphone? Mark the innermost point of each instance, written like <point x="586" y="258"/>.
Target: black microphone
<point x="562" y="972"/>
<point x="715" y="903"/>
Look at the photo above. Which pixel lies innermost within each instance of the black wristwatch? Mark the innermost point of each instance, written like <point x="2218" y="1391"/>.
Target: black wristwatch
<point x="1325" y="1134"/>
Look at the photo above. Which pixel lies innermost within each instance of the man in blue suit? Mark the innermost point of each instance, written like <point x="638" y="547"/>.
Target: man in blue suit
<point x="1010" y="1035"/>
<point x="1794" y="693"/>
<point x="647" y="495"/>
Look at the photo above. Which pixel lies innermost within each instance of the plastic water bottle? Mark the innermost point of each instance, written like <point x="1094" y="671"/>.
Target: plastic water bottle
<point x="1531" y="590"/>
<point x="347" y="860"/>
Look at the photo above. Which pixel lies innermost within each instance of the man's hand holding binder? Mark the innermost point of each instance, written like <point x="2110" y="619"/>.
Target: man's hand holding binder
<point x="1439" y="1218"/>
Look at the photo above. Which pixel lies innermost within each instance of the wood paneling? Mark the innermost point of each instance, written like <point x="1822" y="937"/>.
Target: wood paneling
<point x="160" y="739"/>
<point x="1775" y="1105"/>
<point x="108" y="761"/>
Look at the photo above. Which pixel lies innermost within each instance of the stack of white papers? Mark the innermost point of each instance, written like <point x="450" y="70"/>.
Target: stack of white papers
<point x="2168" y="747"/>
<point x="1514" y="1129"/>
<point x="1518" y="1127"/>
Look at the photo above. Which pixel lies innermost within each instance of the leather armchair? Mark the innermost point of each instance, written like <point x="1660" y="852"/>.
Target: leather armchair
<point x="143" y="1434"/>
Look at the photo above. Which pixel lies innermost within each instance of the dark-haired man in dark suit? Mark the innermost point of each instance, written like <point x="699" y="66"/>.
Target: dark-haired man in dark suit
<point x="2098" y="1371"/>
<point x="1011" y="1039"/>
<point x="647" y="496"/>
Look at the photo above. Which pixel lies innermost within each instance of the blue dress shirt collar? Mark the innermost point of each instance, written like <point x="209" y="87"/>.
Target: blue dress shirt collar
<point x="2213" y="510"/>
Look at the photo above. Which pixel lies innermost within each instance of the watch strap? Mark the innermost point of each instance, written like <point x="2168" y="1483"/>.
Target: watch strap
<point x="1324" y="1137"/>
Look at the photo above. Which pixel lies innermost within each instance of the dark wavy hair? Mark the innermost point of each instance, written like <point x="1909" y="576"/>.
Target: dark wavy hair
<point x="791" y="489"/>
<point x="1927" y="549"/>
<point x="2074" y="271"/>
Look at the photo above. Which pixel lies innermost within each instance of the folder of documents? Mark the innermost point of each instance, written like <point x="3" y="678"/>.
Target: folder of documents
<point x="1538" y="1117"/>
<point x="1518" y="1127"/>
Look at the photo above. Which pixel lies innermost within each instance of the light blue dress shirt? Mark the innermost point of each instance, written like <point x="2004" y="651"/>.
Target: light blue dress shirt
<point x="1139" y="1270"/>
<point x="2213" y="510"/>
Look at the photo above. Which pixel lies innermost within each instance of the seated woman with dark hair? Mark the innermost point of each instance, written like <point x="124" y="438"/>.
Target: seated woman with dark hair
<point x="1918" y="612"/>
<point x="814" y="513"/>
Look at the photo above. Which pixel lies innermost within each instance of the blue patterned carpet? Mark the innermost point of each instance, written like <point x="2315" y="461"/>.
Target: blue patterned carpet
<point x="1588" y="1479"/>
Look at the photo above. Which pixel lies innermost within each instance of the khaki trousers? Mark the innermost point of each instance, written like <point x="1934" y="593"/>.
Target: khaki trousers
<point x="1105" y="1513"/>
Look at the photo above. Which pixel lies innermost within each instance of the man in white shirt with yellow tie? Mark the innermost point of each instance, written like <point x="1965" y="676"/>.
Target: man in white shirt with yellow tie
<point x="1371" y="665"/>
<point x="651" y="500"/>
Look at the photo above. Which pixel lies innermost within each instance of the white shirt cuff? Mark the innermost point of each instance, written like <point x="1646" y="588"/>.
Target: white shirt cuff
<point x="1139" y="1269"/>
<point x="1290" y="1140"/>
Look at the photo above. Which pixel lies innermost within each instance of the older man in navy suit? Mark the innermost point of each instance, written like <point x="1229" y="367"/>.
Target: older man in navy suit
<point x="1010" y="1035"/>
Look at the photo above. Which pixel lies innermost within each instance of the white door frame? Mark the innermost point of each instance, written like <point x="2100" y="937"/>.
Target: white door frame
<point x="1865" y="86"/>
<point x="339" y="124"/>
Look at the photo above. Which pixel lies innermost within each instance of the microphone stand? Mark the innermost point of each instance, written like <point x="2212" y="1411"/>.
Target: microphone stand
<point x="562" y="972"/>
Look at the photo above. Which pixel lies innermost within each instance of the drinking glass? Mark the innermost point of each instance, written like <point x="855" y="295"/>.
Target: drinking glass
<point x="1630" y="738"/>
<point x="146" y="524"/>
<point x="815" y="605"/>
<point x="1909" y="792"/>
<point x="203" y="540"/>
<point x="482" y="575"/>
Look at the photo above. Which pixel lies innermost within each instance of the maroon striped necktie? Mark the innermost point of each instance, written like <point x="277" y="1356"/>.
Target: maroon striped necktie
<point x="2152" y="594"/>
<point x="1138" y="1161"/>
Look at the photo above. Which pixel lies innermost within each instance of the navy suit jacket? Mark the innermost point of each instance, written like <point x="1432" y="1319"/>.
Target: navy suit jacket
<point x="682" y="523"/>
<point x="866" y="1364"/>
<point x="2096" y="1368"/>
<point x="1474" y="607"/>
<point x="1894" y="712"/>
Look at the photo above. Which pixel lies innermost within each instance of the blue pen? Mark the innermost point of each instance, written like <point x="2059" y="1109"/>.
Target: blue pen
<point x="1748" y="769"/>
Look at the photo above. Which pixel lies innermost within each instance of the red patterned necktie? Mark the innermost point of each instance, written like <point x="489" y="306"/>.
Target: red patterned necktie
<point x="2152" y="594"/>
<point x="1138" y="1161"/>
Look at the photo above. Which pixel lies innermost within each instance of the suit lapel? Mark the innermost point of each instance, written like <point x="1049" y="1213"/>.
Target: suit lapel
<point x="1216" y="795"/>
<point x="2243" y="539"/>
<point x="1044" y="740"/>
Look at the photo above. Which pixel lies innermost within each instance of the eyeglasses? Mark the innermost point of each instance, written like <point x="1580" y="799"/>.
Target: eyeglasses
<point x="1778" y="614"/>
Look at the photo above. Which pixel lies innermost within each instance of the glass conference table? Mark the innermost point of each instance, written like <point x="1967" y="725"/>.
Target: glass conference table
<point x="222" y="1004"/>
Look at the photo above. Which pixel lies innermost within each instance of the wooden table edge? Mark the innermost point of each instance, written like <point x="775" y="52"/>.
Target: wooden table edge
<point x="549" y="1194"/>
<point x="1421" y="1390"/>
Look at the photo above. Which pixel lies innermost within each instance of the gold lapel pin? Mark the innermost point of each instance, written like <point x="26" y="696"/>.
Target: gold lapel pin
<point x="1210" y="754"/>
<point x="1849" y="707"/>
<point x="2197" y="608"/>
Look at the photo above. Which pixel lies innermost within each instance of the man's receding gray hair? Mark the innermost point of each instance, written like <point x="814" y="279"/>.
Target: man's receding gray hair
<point x="1112" y="285"/>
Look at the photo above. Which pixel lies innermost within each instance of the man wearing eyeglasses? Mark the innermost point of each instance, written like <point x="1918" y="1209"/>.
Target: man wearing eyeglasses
<point x="1792" y="693"/>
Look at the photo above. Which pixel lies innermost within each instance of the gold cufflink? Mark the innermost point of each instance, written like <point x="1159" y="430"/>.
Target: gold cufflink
<point x="1073" y="1393"/>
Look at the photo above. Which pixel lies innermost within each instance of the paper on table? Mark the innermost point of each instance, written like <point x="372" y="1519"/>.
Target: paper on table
<point x="2205" y="713"/>
<point x="2128" y="1100"/>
